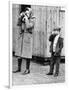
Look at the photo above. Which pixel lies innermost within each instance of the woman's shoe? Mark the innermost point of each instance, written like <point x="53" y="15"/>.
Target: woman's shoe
<point x="16" y="71"/>
<point x="49" y="73"/>
<point x="26" y="72"/>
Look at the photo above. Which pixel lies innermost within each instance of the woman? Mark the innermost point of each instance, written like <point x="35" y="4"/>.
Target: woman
<point x="27" y="27"/>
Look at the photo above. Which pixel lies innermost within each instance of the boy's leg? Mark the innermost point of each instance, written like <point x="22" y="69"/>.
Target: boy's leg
<point x="57" y="66"/>
<point x="51" y="66"/>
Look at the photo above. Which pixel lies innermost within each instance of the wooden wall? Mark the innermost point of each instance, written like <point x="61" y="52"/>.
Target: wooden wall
<point x="47" y="18"/>
<point x="15" y="29"/>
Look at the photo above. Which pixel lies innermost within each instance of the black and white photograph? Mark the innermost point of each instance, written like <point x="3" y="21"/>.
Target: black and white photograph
<point x="38" y="44"/>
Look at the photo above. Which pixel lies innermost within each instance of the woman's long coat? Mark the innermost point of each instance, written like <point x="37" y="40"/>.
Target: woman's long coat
<point x="25" y="42"/>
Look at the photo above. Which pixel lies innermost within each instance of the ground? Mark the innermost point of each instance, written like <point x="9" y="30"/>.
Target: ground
<point x="37" y="74"/>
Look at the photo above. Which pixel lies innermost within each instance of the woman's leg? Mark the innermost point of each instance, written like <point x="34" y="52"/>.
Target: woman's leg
<point x="27" y="71"/>
<point x="28" y="64"/>
<point x="19" y="65"/>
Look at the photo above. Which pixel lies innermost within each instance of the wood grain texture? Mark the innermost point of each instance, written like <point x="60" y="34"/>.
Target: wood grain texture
<point x="47" y="18"/>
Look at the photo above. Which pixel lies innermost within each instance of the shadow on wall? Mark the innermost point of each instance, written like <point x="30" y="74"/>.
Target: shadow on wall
<point x="42" y="60"/>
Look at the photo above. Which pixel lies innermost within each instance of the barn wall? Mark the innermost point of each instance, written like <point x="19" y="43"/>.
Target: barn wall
<point x="52" y="22"/>
<point x="39" y="36"/>
<point x="15" y="29"/>
<point x="62" y="23"/>
<point x="46" y="19"/>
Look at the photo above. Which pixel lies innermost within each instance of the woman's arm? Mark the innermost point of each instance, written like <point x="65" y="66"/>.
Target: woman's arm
<point x="29" y="24"/>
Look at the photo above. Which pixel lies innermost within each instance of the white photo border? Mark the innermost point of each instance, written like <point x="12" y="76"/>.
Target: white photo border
<point x="31" y="2"/>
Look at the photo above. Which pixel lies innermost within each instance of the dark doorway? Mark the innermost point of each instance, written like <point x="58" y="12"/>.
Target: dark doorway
<point x="23" y="7"/>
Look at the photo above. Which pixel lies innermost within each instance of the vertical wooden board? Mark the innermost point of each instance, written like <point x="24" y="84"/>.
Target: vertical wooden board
<point x="36" y="40"/>
<point x="15" y="13"/>
<point x="52" y="22"/>
<point x="54" y="17"/>
<point x="57" y="21"/>
<point x="42" y="31"/>
<point x="49" y="26"/>
<point x="44" y="28"/>
<point x="39" y="30"/>
<point x="62" y="24"/>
